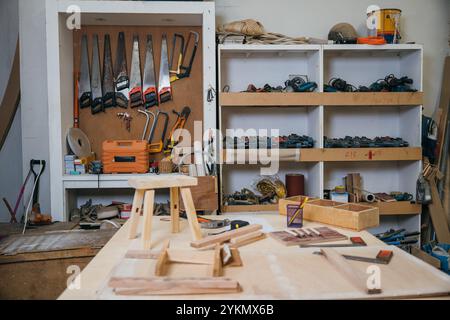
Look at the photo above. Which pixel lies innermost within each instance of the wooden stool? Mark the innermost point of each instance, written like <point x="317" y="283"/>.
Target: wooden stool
<point x="145" y="194"/>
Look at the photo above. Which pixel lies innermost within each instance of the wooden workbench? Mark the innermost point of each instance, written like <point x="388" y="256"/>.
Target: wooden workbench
<point x="270" y="270"/>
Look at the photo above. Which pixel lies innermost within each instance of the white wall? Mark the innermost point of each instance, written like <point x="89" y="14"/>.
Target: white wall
<point x="11" y="153"/>
<point x="425" y="22"/>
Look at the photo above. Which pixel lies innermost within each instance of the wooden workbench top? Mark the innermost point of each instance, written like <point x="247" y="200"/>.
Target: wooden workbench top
<point x="270" y="270"/>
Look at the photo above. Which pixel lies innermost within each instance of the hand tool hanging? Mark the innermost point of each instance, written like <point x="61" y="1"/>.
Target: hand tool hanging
<point x="164" y="88"/>
<point x="150" y="94"/>
<point x="183" y="70"/>
<point x="109" y="96"/>
<point x="135" y="76"/>
<point x="177" y="53"/>
<point x="179" y="124"/>
<point x="76" y="103"/>
<point x="147" y="122"/>
<point x="96" y="82"/>
<point x="157" y="147"/>
<point x="122" y="82"/>
<point x="84" y="90"/>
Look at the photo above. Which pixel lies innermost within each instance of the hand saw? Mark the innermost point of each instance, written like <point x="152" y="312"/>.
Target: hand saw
<point x="157" y="147"/>
<point x="150" y="94"/>
<point x="179" y="124"/>
<point x="183" y="69"/>
<point x="135" y="76"/>
<point x="164" y="88"/>
<point x="109" y="96"/>
<point x="122" y="82"/>
<point x="96" y="82"/>
<point x="84" y="90"/>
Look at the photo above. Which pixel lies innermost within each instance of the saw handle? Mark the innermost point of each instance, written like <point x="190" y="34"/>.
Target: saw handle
<point x="122" y="82"/>
<point x="136" y="97"/>
<point x="97" y="105"/>
<point x="159" y="146"/>
<point x="150" y="98"/>
<point x="109" y="100"/>
<point x="121" y="100"/>
<point x="85" y="100"/>
<point x="165" y="95"/>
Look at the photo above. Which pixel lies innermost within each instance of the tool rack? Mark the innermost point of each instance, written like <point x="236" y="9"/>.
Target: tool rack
<point x="320" y="114"/>
<point x="102" y="17"/>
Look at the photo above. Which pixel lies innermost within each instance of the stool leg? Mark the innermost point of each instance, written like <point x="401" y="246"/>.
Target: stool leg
<point x="135" y="212"/>
<point x="148" y="219"/>
<point x="191" y="213"/>
<point x="175" y="209"/>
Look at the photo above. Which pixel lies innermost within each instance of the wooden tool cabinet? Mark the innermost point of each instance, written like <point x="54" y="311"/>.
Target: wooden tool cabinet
<point x="100" y="17"/>
<point x="320" y="114"/>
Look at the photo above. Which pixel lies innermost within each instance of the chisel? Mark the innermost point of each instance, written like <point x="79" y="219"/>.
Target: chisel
<point x="135" y="76"/>
<point x="121" y="79"/>
<point x="164" y="88"/>
<point x="96" y="82"/>
<point x="150" y="94"/>
<point x="84" y="90"/>
<point x="109" y="96"/>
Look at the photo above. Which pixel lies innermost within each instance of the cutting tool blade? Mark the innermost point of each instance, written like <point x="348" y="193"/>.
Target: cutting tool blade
<point x="164" y="88"/>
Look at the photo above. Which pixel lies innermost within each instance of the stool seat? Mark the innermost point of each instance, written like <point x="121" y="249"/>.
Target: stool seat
<point x="162" y="181"/>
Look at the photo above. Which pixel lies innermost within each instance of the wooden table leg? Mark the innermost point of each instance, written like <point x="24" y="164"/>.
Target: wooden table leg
<point x="148" y="219"/>
<point x="135" y="212"/>
<point x="191" y="214"/>
<point x="175" y="209"/>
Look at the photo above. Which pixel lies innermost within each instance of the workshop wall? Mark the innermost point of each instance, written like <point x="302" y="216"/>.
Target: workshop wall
<point x="11" y="153"/>
<point x="425" y="22"/>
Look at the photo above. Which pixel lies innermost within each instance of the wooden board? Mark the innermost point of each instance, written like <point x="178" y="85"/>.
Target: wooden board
<point x="11" y="98"/>
<point x="205" y="194"/>
<point x="186" y="92"/>
<point x="250" y="208"/>
<point x="327" y="235"/>
<point x="232" y="99"/>
<point x="363" y="154"/>
<point x="162" y="181"/>
<point x="223" y="237"/>
<point x="396" y="208"/>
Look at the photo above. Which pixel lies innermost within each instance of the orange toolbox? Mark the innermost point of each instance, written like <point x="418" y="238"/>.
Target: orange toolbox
<point x="125" y="156"/>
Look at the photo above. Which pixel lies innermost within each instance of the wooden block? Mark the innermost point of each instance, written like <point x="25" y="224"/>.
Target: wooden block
<point x="422" y="255"/>
<point x="169" y="286"/>
<point x="191" y="214"/>
<point x="148" y="219"/>
<point x="226" y="236"/>
<point x="353" y="275"/>
<point x="163" y="260"/>
<point x="162" y="181"/>
<point x="136" y="212"/>
<point x="246" y="237"/>
<point x="175" y="209"/>
<point x="290" y="238"/>
<point x="248" y="241"/>
<point x="217" y="265"/>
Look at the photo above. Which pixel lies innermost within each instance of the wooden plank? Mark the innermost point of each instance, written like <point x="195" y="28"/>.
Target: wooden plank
<point x="136" y="212"/>
<point x="217" y="268"/>
<point x="362" y="154"/>
<point x="238" y="99"/>
<point x="175" y="209"/>
<point x="422" y="255"/>
<point x="246" y="237"/>
<point x="355" y="276"/>
<point x="163" y="260"/>
<point x="396" y="208"/>
<point x="11" y="98"/>
<point x="191" y="214"/>
<point x="223" y="237"/>
<point x="135" y="286"/>
<point x="248" y="241"/>
<point x="250" y="208"/>
<point x="438" y="215"/>
<point x="444" y="102"/>
<point x="148" y="219"/>
<point x="162" y="181"/>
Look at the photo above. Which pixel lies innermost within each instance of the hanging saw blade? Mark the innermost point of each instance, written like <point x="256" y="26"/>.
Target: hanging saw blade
<point x="135" y="76"/>
<point x="121" y="79"/>
<point x="109" y="96"/>
<point x="96" y="79"/>
<point x="164" y="89"/>
<point x="84" y="90"/>
<point x="150" y="94"/>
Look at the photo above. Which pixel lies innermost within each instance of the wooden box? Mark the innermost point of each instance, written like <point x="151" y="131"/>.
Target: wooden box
<point x="351" y="216"/>
<point x="282" y="204"/>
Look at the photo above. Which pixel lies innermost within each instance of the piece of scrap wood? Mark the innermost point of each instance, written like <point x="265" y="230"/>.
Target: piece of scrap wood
<point x="226" y="236"/>
<point x="166" y="286"/>
<point x="246" y="237"/>
<point x="248" y="241"/>
<point x="217" y="265"/>
<point x="355" y="276"/>
<point x="163" y="260"/>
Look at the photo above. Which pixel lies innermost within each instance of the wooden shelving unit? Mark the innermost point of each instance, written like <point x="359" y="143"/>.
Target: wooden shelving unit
<point x="250" y="208"/>
<point x="272" y="99"/>
<point x="334" y="115"/>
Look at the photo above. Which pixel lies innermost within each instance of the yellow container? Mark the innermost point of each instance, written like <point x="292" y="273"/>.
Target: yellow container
<point x="387" y="23"/>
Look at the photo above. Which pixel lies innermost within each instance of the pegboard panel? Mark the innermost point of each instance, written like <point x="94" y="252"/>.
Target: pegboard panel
<point x="185" y="92"/>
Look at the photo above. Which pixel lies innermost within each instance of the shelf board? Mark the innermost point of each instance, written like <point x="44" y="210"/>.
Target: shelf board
<point x="284" y="99"/>
<point x="368" y="154"/>
<point x="285" y="155"/>
<point x="397" y="208"/>
<point x="326" y="155"/>
<point x="250" y="208"/>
